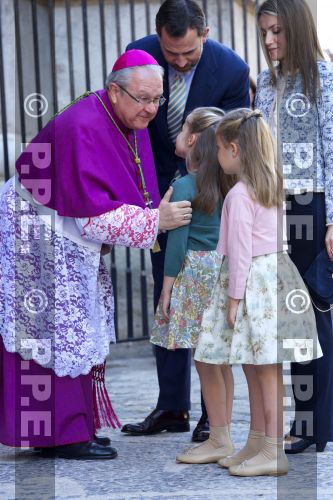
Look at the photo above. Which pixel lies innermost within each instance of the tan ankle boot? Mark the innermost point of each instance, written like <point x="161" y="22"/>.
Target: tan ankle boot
<point x="218" y="445"/>
<point x="255" y="442"/>
<point x="270" y="461"/>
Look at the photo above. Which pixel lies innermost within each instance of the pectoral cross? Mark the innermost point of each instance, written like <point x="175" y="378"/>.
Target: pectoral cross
<point x="148" y="201"/>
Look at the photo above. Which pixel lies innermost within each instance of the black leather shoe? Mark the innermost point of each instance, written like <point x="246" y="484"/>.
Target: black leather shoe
<point x="103" y="441"/>
<point x="201" y="432"/>
<point x="89" y="450"/>
<point x="302" y="444"/>
<point x="158" y="421"/>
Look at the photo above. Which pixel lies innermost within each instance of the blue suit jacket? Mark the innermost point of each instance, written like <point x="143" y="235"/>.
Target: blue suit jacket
<point x="221" y="79"/>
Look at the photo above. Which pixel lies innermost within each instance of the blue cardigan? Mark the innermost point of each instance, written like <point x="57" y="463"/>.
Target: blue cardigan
<point x="201" y="234"/>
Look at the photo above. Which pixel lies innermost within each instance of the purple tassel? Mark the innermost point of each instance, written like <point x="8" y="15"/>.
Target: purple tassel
<point x="104" y="415"/>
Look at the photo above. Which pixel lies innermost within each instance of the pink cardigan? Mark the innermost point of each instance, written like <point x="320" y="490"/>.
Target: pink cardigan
<point x="248" y="229"/>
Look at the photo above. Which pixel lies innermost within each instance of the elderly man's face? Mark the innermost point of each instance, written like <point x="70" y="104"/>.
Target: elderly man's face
<point x="144" y="83"/>
<point x="184" y="52"/>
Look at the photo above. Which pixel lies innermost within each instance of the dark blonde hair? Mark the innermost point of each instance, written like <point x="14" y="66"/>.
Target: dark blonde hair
<point x="303" y="47"/>
<point x="211" y="182"/>
<point x="259" y="168"/>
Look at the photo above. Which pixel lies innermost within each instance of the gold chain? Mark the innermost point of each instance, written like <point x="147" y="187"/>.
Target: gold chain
<point x="148" y="201"/>
<point x="137" y="159"/>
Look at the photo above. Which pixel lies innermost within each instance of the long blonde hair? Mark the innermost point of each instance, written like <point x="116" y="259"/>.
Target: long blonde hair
<point x="258" y="159"/>
<point x="302" y="44"/>
<point x="212" y="184"/>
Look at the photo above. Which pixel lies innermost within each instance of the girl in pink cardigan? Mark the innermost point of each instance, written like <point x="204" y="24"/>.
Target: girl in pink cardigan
<point x="260" y="313"/>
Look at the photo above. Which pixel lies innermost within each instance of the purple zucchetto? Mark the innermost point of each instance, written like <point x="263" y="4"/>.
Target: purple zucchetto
<point x="133" y="58"/>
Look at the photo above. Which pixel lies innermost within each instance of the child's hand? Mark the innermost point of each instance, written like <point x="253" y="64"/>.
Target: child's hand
<point x="232" y="311"/>
<point x="168" y="282"/>
<point x="165" y="302"/>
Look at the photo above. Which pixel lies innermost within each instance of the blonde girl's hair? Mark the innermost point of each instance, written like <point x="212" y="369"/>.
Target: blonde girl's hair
<point x="259" y="169"/>
<point x="212" y="184"/>
<point x="303" y="48"/>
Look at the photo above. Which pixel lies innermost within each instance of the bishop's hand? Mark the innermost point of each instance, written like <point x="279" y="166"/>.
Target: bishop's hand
<point x="173" y="214"/>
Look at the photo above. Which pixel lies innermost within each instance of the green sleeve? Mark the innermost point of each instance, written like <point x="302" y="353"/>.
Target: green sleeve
<point x="177" y="238"/>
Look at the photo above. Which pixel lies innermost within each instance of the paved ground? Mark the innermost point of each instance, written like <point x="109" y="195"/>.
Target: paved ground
<point x="146" y="467"/>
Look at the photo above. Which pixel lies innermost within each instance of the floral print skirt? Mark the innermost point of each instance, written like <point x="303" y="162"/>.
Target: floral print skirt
<point x="190" y="296"/>
<point x="275" y="321"/>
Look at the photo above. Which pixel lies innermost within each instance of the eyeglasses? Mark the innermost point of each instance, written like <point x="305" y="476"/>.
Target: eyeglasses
<point x="144" y="101"/>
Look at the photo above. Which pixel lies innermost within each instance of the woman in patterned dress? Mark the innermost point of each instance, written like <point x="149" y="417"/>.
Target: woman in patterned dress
<point x="295" y="95"/>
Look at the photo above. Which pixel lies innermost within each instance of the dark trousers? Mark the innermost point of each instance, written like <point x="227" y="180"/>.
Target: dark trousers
<point x="303" y="250"/>
<point x="173" y="367"/>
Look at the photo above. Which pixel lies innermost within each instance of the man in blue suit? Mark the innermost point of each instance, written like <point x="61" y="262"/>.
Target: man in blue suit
<point x="211" y="75"/>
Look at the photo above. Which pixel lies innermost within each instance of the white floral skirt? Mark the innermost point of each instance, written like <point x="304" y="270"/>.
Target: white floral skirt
<point x="190" y="296"/>
<point x="275" y="321"/>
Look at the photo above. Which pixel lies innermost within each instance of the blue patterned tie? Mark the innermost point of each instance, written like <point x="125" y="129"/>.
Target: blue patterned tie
<point x="176" y="106"/>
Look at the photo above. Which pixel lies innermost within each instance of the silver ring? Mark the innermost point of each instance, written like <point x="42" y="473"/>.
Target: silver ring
<point x="184" y="216"/>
